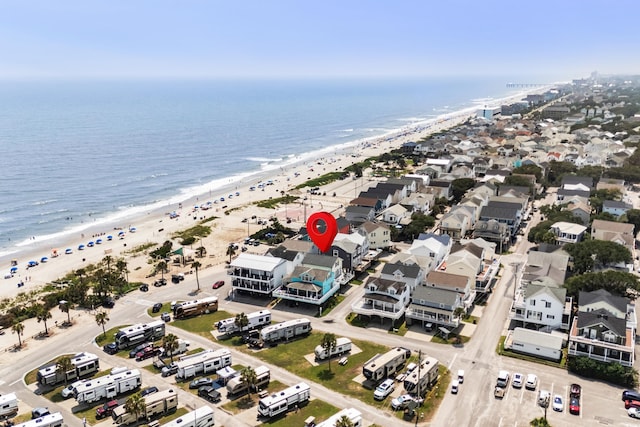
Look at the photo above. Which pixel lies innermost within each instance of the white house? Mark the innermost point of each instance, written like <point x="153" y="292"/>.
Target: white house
<point x="432" y="245"/>
<point x="544" y="304"/>
<point x="535" y="343"/>
<point x="411" y="274"/>
<point x="568" y="232"/>
<point x="257" y="274"/>
<point x="395" y="214"/>
<point x="378" y="234"/>
<point x="386" y="299"/>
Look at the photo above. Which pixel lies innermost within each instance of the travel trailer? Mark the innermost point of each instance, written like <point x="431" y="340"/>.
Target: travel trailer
<point x="202" y="363"/>
<point x="84" y="364"/>
<point x="257" y="319"/>
<point x="107" y="387"/>
<point x="285" y="330"/>
<point x="143" y="332"/>
<point x="236" y="387"/>
<point x="161" y="402"/>
<point x="384" y="365"/>
<point x="343" y="345"/>
<point x="283" y="401"/>
<point x="201" y="417"/>
<point x="196" y="307"/>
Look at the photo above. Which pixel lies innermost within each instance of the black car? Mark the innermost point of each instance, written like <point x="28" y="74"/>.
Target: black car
<point x="148" y="390"/>
<point x="200" y="382"/>
<point x="139" y="348"/>
<point x="144" y="288"/>
<point x="156" y="307"/>
<point x="111" y="348"/>
<point x="108" y="302"/>
<point x="160" y="282"/>
<point x="209" y="393"/>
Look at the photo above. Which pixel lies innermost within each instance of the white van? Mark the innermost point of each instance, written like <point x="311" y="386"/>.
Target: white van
<point x="454" y="386"/>
<point x="460" y="376"/>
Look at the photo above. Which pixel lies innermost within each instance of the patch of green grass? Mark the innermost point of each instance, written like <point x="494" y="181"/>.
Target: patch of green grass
<point x="356" y="320"/>
<point x="453" y="340"/>
<point x="317" y="408"/>
<point x="355" y="282"/>
<point x="333" y="302"/>
<point x="21" y="418"/>
<point x="141" y="248"/>
<point x="433" y="398"/>
<point x="194" y="232"/>
<point x="203" y="324"/>
<point x="206" y="220"/>
<point x="228" y="211"/>
<point x="471" y="319"/>
<point x="321" y="180"/>
<point x="165" y="307"/>
<point x="246" y="402"/>
<point x="273" y="203"/>
<point x="105" y="338"/>
<point x="172" y="416"/>
<point x="399" y="330"/>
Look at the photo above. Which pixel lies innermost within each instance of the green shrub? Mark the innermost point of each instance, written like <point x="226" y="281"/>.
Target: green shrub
<point x="612" y="372"/>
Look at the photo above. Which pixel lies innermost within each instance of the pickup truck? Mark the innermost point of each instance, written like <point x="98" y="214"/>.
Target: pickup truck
<point x="147" y="353"/>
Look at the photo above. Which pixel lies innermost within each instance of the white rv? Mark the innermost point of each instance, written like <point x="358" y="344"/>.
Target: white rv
<point x="285" y="330"/>
<point x="257" y="319"/>
<point x="383" y="366"/>
<point x="161" y="402"/>
<point x="202" y="363"/>
<point x="182" y="347"/>
<point x="51" y="420"/>
<point x="8" y="405"/>
<point x="236" y="386"/>
<point x="423" y="377"/>
<point x="353" y="414"/>
<point x="201" y="417"/>
<point x="143" y="332"/>
<point x="284" y="400"/>
<point x="343" y="345"/>
<point x="84" y="364"/>
<point x="107" y="387"/>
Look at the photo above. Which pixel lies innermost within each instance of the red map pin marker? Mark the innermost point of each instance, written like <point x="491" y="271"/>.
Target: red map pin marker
<point x="323" y="237"/>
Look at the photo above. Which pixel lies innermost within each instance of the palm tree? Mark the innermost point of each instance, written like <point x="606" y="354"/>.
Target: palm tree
<point x="43" y="314"/>
<point x="121" y="266"/>
<point x="18" y="328"/>
<point x="241" y="321"/>
<point x="231" y="251"/>
<point x="459" y="312"/>
<point x="201" y="251"/>
<point x="329" y="343"/>
<point x="249" y="377"/>
<point x="196" y="265"/>
<point x="101" y="320"/>
<point x="170" y="344"/>
<point x="108" y="260"/>
<point x="63" y="366"/>
<point x="344" y="421"/>
<point x="64" y="307"/>
<point x="135" y="405"/>
<point x="162" y="266"/>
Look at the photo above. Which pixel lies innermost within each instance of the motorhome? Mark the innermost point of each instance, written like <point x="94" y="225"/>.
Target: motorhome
<point x="353" y="414"/>
<point x="143" y="332"/>
<point x="202" y="363"/>
<point x="196" y="307"/>
<point x="161" y="402"/>
<point x="49" y="420"/>
<point x="343" y="345"/>
<point x="285" y="330"/>
<point x="256" y="320"/>
<point x="423" y="377"/>
<point x="107" y="387"/>
<point x="201" y="417"/>
<point x="8" y="405"/>
<point x="384" y="365"/>
<point x="84" y="364"/>
<point x="236" y="386"/>
<point x="284" y="400"/>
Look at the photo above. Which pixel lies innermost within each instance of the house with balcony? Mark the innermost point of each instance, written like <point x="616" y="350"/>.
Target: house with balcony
<point x="568" y="232"/>
<point x="604" y="329"/>
<point x="434" y="305"/>
<point x="457" y="222"/>
<point x="383" y="298"/>
<point x="312" y="282"/>
<point x="351" y="249"/>
<point x="257" y="274"/>
<point x="377" y="234"/>
<point x="493" y="231"/>
<point x="292" y="257"/>
<point x="410" y="274"/>
<point x="470" y="260"/>
<point x="505" y="212"/>
<point x="434" y="246"/>
<point x="461" y="285"/>
<point x="542" y="305"/>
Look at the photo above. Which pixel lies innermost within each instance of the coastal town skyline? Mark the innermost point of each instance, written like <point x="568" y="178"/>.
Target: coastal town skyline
<point x="120" y="40"/>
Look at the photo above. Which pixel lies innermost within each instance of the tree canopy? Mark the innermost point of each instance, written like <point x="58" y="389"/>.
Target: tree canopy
<point x="460" y="186"/>
<point x="596" y="254"/>
<point x="618" y="283"/>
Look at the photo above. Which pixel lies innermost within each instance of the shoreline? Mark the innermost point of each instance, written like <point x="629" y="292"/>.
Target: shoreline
<point x="154" y="226"/>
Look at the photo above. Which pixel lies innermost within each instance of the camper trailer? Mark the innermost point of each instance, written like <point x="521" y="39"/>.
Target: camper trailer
<point x="201" y="417"/>
<point x="284" y="400"/>
<point x="385" y="365"/>
<point x="49" y="420"/>
<point x="423" y="377"/>
<point x="8" y="405"/>
<point x="143" y="332"/>
<point x="107" y="387"/>
<point x="236" y="387"/>
<point x="257" y="319"/>
<point x="285" y="330"/>
<point x="84" y="364"/>
<point x="343" y="345"/>
<point x="353" y="414"/>
<point x="202" y="363"/>
<point x="161" y="402"/>
<point x="196" y="307"/>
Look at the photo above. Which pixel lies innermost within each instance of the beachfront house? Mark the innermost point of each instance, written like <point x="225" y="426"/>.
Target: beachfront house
<point x="383" y="298"/>
<point x="257" y="274"/>
<point x="313" y="282"/>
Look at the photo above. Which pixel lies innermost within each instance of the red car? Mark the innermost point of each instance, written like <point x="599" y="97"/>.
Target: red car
<point x="574" y="406"/>
<point x="218" y="284"/>
<point x="106" y="409"/>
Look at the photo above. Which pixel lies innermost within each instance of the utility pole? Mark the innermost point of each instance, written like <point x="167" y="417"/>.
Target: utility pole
<point x="418" y="389"/>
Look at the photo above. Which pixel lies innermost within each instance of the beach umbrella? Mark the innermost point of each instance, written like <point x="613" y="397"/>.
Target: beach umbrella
<point x="32" y="263"/>
<point x="121" y="233"/>
<point x="80" y="247"/>
<point x="109" y="237"/>
<point x="13" y="269"/>
<point x="99" y="242"/>
<point x="132" y="230"/>
<point x="90" y="244"/>
<point x="68" y="251"/>
<point x="44" y="259"/>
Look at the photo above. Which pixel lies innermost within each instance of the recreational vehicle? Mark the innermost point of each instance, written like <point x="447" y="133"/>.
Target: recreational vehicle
<point x="353" y="414"/>
<point x="284" y="400"/>
<point x="236" y="386"/>
<point x="182" y="347"/>
<point x="385" y="365"/>
<point x="161" y="402"/>
<point x="285" y="330"/>
<point x="343" y="345"/>
<point x="201" y="417"/>
<point x="256" y="320"/>
<point x="143" y="332"/>
<point x="196" y="307"/>
<point x="8" y="405"/>
<point x="423" y="377"/>
<point x="202" y="363"/>
<point x="84" y="364"/>
<point x="50" y="420"/>
<point x="107" y="387"/>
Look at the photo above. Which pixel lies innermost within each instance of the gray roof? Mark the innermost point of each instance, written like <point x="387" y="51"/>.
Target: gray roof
<point x="498" y="213"/>
<point x="282" y="252"/>
<point x="360" y="210"/>
<point x="604" y="317"/>
<point x="573" y="180"/>
<point x="318" y="260"/>
<point x="410" y="271"/>
<point x="563" y="192"/>
<point x="586" y="298"/>
<point x="469" y="247"/>
<point x="503" y="204"/>
<point x="433" y="295"/>
<point x="444" y="239"/>
<point x="317" y="273"/>
<point x="560" y="293"/>
<point x="615" y="204"/>
<point x="383" y="285"/>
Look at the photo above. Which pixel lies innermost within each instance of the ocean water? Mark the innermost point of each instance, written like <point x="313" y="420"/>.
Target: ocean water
<point x="74" y="154"/>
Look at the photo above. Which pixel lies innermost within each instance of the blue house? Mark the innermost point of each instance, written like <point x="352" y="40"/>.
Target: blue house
<point x="312" y="282"/>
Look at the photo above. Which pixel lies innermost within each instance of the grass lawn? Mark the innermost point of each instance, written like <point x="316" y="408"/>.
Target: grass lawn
<point x="246" y="402"/>
<point x="165" y="307"/>
<point x="317" y="408"/>
<point x="106" y="338"/>
<point x="471" y="319"/>
<point x="333" y="302"/>
<point x="399" y="330"/>
<point x="203" y="324"/>
<point x="433" y="397"/>
<point x="22" y="418"/>
<point x="356" y="320"/>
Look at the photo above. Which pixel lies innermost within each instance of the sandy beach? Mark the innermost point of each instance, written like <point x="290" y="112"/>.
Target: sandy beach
<point x="156" y="226"/>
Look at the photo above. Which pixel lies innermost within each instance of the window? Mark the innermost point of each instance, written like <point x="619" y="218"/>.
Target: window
<point x="550" y="316"/>
<point x="335" y="252"/>
<point x="547" y="304"/>
<point x="533" y="302"/>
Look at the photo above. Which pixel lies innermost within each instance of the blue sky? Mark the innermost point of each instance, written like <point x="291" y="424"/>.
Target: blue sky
<point x="302" y="38"/>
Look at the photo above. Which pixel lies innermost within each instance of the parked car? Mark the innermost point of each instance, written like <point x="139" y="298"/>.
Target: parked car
<point x="631" y="404"/>
<point x="160" y="282"/>
<point x="149" y="390"/>
<point x="544" y="398"/>
<point x="172" y="369"/>
<point x="144" y="287"/>
<point x="384" y="389"/>
<point x="133" y="353"/>
<point x="576" y="391"/>
<point x="108" y="302"/>
<point x="147" y="353"/>
<point x="401" y="401"/>
<point x="558" y="404"/>
<point x="111" y="348"/>
<point x="532" y="382"/>
<point x="503" y="379"/>
<point x="166" y="316"/>
<point x="209" y="393"/>
<point x="574" y="406"/>
<point x="218" y="284"/>
<point x="200" y="382"/>
<point x="67" y="392"/>
<point x="633" y="412"/>
<point x="630" y="395"/>
<point x="39" y="412"/>
<point x="156" y="307"/>
<point x="498" y="393"/>
<point x="106" y="409"/>
<point x="518" y="380"/>
<point x="460" y="376"/>
<point x="455" y="384"/>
